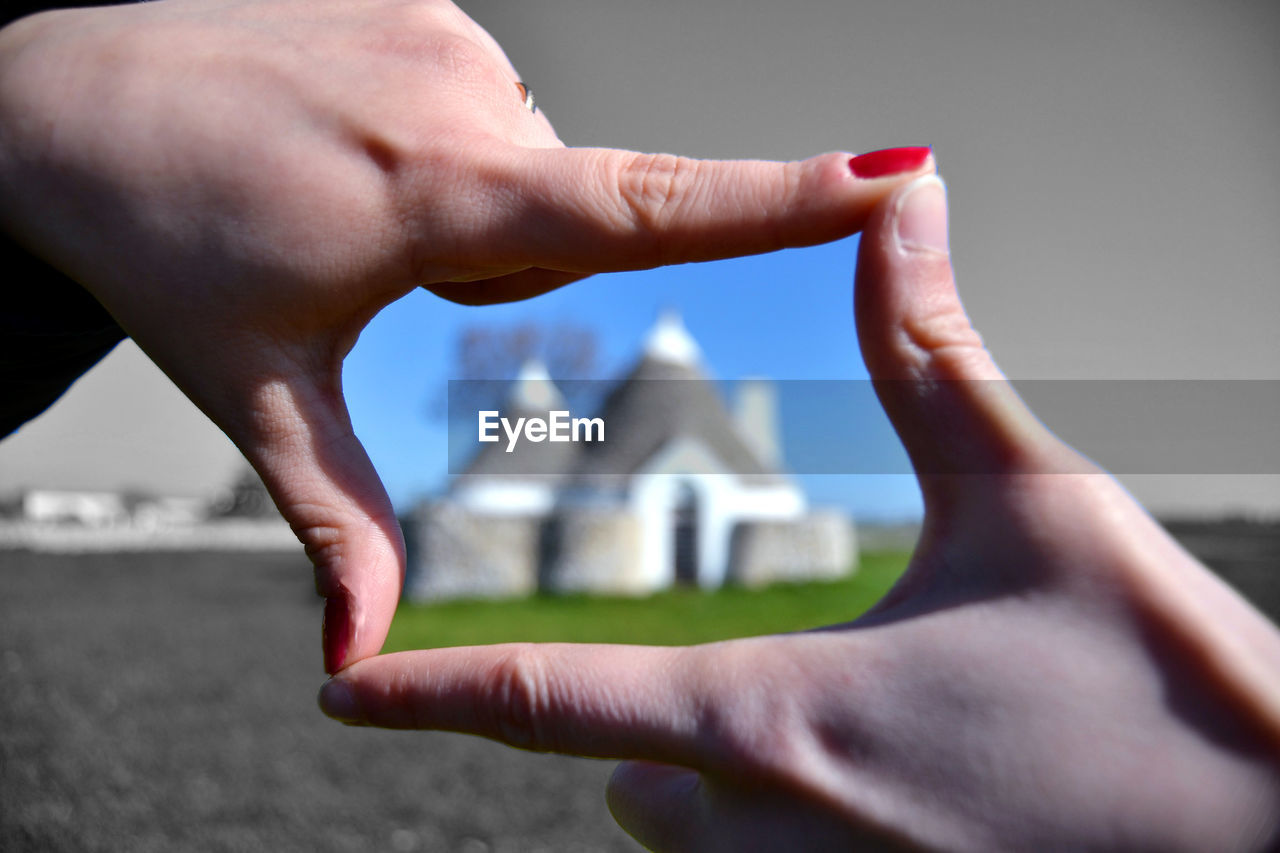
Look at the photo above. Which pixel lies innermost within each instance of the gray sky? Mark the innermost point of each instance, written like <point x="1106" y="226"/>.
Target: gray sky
<point x="1112" y="166"/>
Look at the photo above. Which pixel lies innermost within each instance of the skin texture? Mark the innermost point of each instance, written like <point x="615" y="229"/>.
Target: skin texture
<point x="244" y="185"/>
<point x="1053" y="671"/>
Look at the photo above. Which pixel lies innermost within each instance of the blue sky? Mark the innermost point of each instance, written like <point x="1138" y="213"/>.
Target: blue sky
<point x="786" y="315"/>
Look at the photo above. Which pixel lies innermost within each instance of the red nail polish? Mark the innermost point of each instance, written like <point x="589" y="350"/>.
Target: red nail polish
<point x="889" y="161"/>
<point x="337" y="632"/>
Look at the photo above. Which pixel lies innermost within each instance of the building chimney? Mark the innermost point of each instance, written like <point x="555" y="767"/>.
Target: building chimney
<point x="756" y="416"/>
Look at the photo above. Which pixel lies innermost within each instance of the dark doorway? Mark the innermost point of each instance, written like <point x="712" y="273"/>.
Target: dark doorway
<point x="684" y="524"/>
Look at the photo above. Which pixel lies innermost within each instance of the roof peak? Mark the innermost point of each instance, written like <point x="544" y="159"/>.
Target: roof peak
<point x="533" y="389"/>
<point x="671" y="342"/>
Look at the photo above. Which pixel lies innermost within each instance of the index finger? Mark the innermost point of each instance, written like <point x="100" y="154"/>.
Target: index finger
<point x="594" y="700"/>
<point x="600" y="210"/>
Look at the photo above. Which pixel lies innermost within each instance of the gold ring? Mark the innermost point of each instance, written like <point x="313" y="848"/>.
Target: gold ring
<point x="527" y="94"/>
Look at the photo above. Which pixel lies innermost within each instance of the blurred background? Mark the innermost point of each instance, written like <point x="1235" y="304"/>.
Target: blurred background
<point x="1115" y="203"/>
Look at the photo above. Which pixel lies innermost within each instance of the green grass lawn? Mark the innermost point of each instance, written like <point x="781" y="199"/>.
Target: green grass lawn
<point x="678" y="617"/>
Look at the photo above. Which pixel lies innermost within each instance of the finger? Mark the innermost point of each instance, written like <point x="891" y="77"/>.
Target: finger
<point x="602" y="701"/>
<point x="940" y="387"/>
<point x="300" y="441"/>
<point x="659" y="805"/>
<point x="676" y="810"/>
<point x="513" y="287"/>
<point x="594" y="210"/>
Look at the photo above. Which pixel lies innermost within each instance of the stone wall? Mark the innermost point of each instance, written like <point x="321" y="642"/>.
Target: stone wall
<point x="819" y="546"/>
<point x="593" y="550"/>
<point x="454" y="553"/>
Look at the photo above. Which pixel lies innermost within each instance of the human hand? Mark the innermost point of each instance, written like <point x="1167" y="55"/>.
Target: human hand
<point x="1052" y="672"/>
<point x="244" y="185"/>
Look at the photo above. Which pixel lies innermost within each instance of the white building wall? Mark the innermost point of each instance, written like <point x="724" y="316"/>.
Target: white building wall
<point x="506" y="497"/>
<point x="722" y="501"/>
<point x="732" y="503"/>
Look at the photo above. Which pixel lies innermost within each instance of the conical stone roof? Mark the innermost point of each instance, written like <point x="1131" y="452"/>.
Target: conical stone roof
<point x="665" y="399"/>
<point x="659" y="403"/>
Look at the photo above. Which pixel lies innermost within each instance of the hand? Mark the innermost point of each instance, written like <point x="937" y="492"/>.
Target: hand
<point x="1052" y="672"/>
<point x="244" y="185"/>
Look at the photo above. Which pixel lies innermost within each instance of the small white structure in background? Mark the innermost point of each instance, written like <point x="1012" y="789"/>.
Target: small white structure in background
<point x="678" y="492"/>
<point x="89" y="509"/>
<point x="80" y="522"/>
<point x="170" y="512"/>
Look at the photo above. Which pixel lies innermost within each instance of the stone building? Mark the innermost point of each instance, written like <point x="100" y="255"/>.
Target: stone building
<point x="679" y="491"/>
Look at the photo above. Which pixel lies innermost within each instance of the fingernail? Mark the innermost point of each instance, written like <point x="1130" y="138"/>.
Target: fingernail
<point x="889" y="161"/>
<point x="337" y="632"/>
<point x="338" y="700"/>
<point x="921" y="216"/>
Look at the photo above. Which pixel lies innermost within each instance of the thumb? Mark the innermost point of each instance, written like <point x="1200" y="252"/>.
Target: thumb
<point x="319" y="475"/>
<point x="950" y="404"/>
<point x="602" y="209"/>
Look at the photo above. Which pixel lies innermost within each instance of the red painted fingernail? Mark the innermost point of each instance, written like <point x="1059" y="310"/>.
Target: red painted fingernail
<point x="337" y="632"/>
<point x="890" y="161"/>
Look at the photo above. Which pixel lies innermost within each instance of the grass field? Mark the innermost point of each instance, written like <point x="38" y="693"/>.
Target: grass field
<point x="679" y="617"/>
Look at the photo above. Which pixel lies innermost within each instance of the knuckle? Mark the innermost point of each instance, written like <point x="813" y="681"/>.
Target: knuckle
<point x="962" y="361"/>
<point x="327" y="535"/>
<point x="458" y="56"/>
<point x="323" y="543"/>
<point x="938" y="325"/>
<point x="796" y="184"/>
<point x="417" y="32"/>
<point x="516" y="699"/>
<point x="794" y="192"/>
<point x="654" y="188"/>
<point x="751" y="732"/>
<point x="754" y="740"/>
<point x="946" y="328"/>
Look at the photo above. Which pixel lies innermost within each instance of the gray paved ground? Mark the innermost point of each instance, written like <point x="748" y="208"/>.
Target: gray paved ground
<point x="166" y="703"/>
